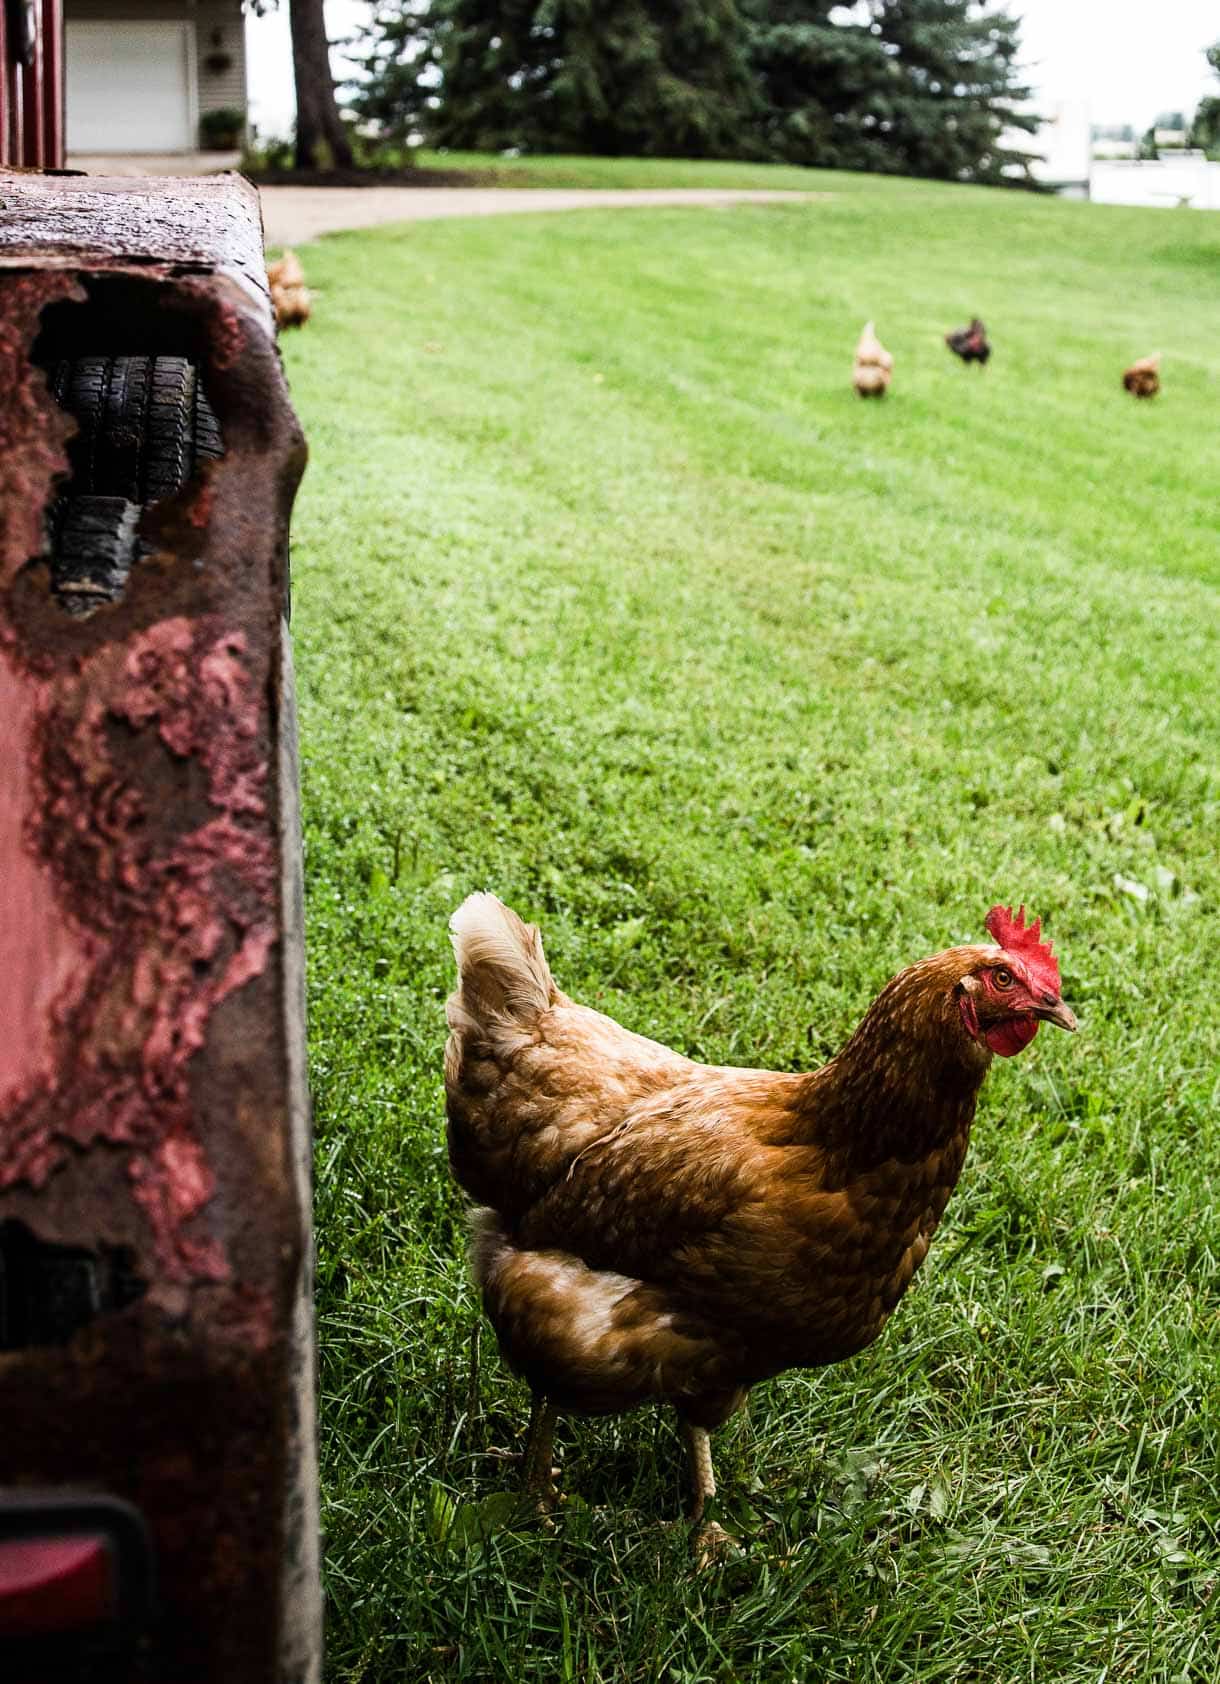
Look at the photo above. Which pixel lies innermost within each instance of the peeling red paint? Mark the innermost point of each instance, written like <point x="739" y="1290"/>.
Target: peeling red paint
<point x="164" y="927"/>
<point x="43" y="958"/>
<point x="171" y="1184"/>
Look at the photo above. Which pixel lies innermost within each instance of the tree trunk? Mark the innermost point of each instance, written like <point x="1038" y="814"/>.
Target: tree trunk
<point x="317" y="114"/>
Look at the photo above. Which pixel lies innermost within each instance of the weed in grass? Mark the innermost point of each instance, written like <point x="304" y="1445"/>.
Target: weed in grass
<point x="612" y="597"/>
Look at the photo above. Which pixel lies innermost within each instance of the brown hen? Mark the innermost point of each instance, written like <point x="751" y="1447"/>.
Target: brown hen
<point x="653" y="1229"/>
<point x="290" y="297"/>
<point x="1143" y="378"/>
<point x="873" y="367"/>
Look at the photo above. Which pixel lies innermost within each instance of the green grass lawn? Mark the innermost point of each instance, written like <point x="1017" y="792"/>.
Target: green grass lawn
<point x="561" y="170"/>
<point x="612" y="597"/>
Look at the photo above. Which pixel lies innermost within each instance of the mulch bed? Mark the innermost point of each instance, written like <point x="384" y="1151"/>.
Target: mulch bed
<point x="374" y="178"/>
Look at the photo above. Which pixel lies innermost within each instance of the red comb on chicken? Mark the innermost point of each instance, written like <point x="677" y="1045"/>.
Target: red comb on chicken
<point x="653" y="1229"/>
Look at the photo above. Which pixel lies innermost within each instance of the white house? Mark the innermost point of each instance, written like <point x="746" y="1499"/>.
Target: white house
<point x="143" y="75"/>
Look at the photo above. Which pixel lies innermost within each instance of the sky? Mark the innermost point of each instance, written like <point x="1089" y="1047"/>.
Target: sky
<point x="1128" y="60"/>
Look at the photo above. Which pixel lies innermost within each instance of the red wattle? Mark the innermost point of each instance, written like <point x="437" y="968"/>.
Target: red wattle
<point x="1011" y="1036"/>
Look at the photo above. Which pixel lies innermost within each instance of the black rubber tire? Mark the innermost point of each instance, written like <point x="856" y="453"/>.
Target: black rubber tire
<point x="169" y="429"/>
<point x="95" y="543"/>
<point x="80" y="388"/>
<point x="209" y="446"/>
<point x="145" y="425"/>
<point x="119" y="451"/>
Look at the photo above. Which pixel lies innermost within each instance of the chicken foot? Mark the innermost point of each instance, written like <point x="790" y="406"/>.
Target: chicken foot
<point x="537" y="1478"/>
<point x="711" y="1542"/>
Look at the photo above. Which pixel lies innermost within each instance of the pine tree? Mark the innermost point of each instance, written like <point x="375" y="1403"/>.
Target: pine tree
<point x="815" y="77"/>
<point x="399" y="68"/>
<point x="661" y="77"/>
<point x="497" y="61"/>
<point x="917" y="87"/>
<point x="666" y="78"/>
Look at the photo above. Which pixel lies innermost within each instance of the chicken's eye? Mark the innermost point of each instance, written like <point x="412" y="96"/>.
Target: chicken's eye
<point x="1002" y="977"/>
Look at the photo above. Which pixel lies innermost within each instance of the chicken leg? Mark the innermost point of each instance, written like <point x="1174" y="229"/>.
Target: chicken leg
<point x="537" y="1483"/>
<point x="712" y="1542"/>
<point x="699" y="1454"/>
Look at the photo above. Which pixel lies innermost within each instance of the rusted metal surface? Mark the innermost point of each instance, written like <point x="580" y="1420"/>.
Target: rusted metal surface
<point x="151" y="1069"/>
<point x="32" y="84"/>
<point x="168" y="226"/>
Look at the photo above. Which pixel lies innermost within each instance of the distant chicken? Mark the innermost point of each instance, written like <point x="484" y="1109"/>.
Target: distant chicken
<point x="290" y="296"/>
<point x="653" y="1229"/>
<point x="873" y="365"/>
<point x="970" y="343"/>
<point x="1143" y="379"/>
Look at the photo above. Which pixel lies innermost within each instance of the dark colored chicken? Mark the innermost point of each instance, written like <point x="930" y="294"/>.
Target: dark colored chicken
<point x="970" y="343"/>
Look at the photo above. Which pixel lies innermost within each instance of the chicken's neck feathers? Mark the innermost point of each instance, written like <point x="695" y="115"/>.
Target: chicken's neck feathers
<point x="907" y="1081"/>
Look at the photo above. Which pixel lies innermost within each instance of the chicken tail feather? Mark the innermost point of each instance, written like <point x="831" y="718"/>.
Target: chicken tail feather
<point x="504" y="981"/>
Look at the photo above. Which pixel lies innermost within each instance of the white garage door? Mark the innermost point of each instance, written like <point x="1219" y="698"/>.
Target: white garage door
<point x="130" y="87"/>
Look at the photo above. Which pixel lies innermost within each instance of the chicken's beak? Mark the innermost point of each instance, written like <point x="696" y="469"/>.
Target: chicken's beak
<point x="1056" y="1013"/>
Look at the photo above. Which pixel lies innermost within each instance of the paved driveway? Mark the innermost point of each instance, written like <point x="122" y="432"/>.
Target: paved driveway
<point x="292" y="215"/>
